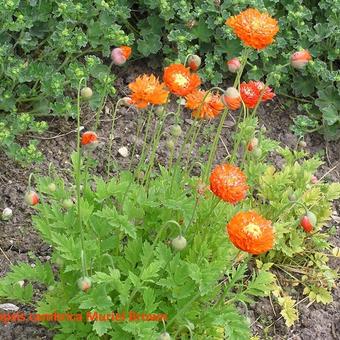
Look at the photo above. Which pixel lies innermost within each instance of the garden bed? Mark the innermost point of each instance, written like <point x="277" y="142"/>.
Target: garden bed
<point x="20" y="242"/>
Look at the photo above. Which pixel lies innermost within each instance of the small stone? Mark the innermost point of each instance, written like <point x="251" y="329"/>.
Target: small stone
<point x="123" y="151"/>
<point x="229" y="124"/>
<point x="9" y="307"/>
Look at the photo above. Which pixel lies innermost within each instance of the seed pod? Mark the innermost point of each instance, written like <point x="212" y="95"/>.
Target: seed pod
<point x="86" y="92"/>
<point x="179" y="242"/>
<point x="31" y="198"/>
<point x="84" y="283"/>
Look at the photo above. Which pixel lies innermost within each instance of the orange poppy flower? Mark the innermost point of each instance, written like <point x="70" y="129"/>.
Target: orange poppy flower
<point x="229" y="183"/>
<point x="146" y="90"/>
<point x="204" y="106"/>
<point x="254" y="28"/>
<point x="180" y="80"/>
<point x="251" y="92"/>
<point x="251" y="232"/>
<point x="126" y="51"/>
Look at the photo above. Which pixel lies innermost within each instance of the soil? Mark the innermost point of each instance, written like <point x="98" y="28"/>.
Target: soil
<point x="18" y="240"/>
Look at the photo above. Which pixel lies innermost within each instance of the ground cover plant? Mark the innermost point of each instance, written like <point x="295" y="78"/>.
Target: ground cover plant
<point x="187" y="242"/>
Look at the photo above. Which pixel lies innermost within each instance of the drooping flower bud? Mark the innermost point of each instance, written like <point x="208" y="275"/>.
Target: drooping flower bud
<point x="233" y="65"/>
<point x="300" y="59"/>
<point x="194" y="62"/>
<point x="170" y="144"/>
<point x="7" y="214"/>
<point x="176" y="130"/>
<point x="164" y="336"/>
<point x="126" y="101"/>
<point x="308" y="222"/>
<point x="86" y="92"/>
<point x="89" y="140"/>
<point x="302" y="144"/>
<point x="179" y="242"/>
<point x="67" y="203"/>
<point x="31" y="198"/>
<point x="231" y="98"/>
<point x="84" y="283"/>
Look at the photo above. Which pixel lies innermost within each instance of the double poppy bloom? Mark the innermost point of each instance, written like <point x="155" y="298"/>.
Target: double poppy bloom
<point x="179" y="80"/>
<point x="204" y="105"/>
<point x="255" y="29"/>
<point x="146" y="90"/>
<point x="251" y="92"/>
<point x="229" y="183"/>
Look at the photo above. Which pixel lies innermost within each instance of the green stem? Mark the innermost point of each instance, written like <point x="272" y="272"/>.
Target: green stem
<point x="80" y="224"/>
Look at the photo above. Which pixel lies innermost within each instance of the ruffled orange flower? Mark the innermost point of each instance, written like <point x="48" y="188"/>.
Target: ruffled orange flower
<point x="251" y="92"/>
<point x="89" y="137"/>
<point x="229" y="183"/>
<point x="146" y="90"/>
<point x="126" y="51"/>
<point x="251" y="232"/>
<point x="180" y="80"/>
<point x="204" y="106"/>
<point x="254" y="28"/>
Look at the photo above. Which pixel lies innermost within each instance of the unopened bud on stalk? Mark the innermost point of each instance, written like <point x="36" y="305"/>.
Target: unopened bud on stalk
<point x="84" y="283"/>
<point x="233" y="65"/>
<point x="176" y="130"/>
<point x="31" y="198"/>
<point x="194" y="62"/>
<point x="7" y="214"/>
<point x="252" y="144"/>
<point x="300" y="59"/>
<point x="170" y="144"/>
<point x="86" y="92"/>
<point x="302" y="144"/>
<point x="179" y="242"/>
<point x="52" y="187"/>
<point x="164" y="336"/>
<point x="126" y="101"/>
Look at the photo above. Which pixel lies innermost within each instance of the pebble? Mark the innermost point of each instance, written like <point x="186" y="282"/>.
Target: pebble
<point x="123" y="151"/>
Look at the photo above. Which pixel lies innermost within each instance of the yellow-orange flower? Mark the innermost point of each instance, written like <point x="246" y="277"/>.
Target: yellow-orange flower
<point x="180" y="80"/>
<point x="254" y="28"/>
<point x="146" y="90"/>
<point x="229" y="183"/>
<point x="251" y="232"/>
<point x="204" y="105"/>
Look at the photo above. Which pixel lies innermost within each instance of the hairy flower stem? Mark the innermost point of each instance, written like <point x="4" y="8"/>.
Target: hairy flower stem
<point x="155" y="144"/>
<point x="142" y="158"/>
<point x="214" y="146"/>
<point x="139" y="130"/>
<point x="77" y="175"/>
<point x="111" y="137"/>
<point x="103" y="99"/>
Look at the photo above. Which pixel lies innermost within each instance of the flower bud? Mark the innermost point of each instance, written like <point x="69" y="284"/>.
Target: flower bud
<point x="300" y="59"/>
<point x="89" y="140"/>
<point x="308" y="222"/>
<point x="176" y="130"/>
<point x="7" y="214"/>
<point x="179" y="242"/>
<point x="67" y="203"/>
<point x="314" y="179"/>
<point x="233" y="65"/>
<point x="126" y="101"/>
<point x="52" y="187"/>
<point x="231" y="98"/>
<point x="117" y="56"/>
<point x="31" y="198"/>
<point x="164" y="336"/>
<point x="194" y="62"/>
<point x="302" y="144"/>
<point x="252" y="144"/>
<point x="84" y="283"/>
<point x="86" y="92"/>
<point x="170" y="144"/>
